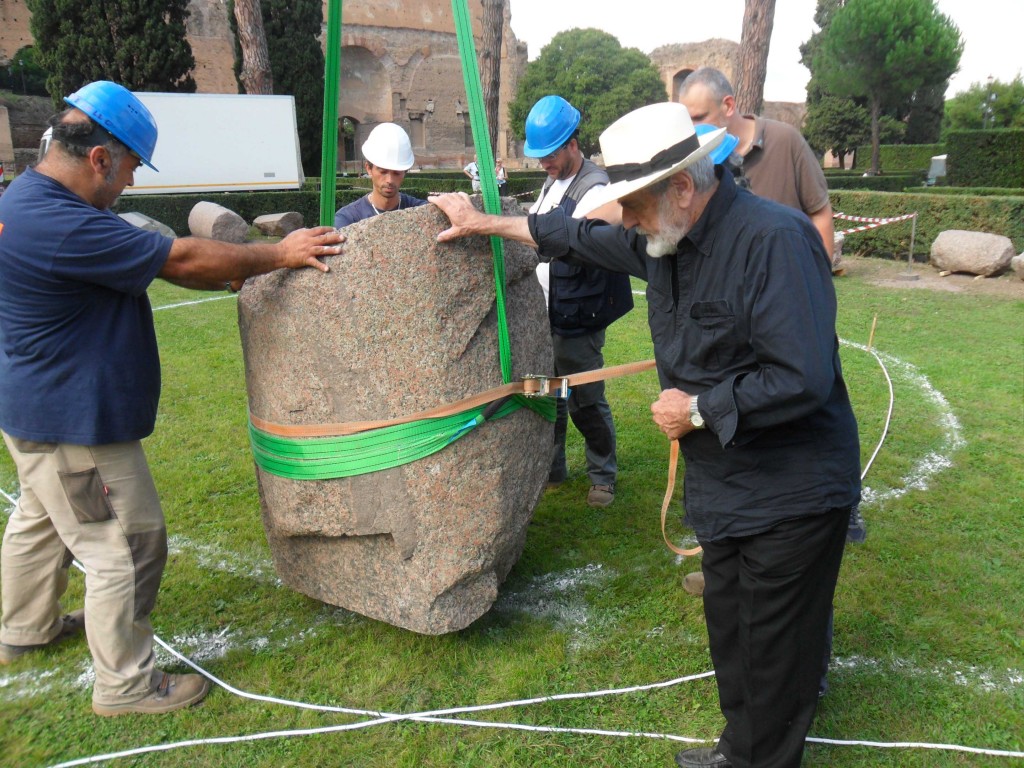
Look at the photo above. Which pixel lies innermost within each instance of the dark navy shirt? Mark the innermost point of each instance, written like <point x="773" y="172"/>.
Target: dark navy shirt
<point x="743" y="315"/>
<point x="78" y="354"/>
<point x="363" y="209"/>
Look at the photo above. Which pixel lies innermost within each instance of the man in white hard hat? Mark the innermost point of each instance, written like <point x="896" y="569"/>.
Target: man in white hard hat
<point x="79" y="390"/>
<point x="387" y="155"/>
<point x="742" y="312"/>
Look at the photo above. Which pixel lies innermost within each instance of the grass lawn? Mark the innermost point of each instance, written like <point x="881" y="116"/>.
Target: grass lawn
<point x="929" y="643"/>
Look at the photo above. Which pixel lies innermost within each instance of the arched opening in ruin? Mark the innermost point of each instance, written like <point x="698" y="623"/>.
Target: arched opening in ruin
<point x="349" y="162"/>
<point x="677" y="82"/>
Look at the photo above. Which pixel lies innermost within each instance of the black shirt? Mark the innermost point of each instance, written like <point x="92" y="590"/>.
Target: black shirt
<point x="743" y="315"/>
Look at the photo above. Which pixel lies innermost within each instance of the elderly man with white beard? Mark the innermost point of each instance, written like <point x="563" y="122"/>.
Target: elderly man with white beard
<point x="742" y="314"/>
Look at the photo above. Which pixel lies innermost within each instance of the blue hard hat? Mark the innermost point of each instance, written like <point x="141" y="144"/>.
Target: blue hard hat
<point x="118" y="111"/>
<point x="550" y="124"/>
<point x="720" y="153"/>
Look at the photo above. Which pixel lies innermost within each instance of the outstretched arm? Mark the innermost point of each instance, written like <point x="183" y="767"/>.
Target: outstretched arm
<point x="467" y="221"/>
<point x="203" y="264"/>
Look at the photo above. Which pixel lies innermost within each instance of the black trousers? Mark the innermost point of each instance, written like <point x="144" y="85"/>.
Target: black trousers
<point x="767" y="600"/>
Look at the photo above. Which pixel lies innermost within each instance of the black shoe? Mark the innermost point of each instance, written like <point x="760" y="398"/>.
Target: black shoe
<point x="702" y="756"/>
<point x="857" y="531"/>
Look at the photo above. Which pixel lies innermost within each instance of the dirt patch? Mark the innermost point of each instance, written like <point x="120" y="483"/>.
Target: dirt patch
<point x="896" y="274"/>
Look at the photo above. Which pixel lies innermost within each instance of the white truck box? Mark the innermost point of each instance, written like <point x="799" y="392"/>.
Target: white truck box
<point x="213" y="142"/>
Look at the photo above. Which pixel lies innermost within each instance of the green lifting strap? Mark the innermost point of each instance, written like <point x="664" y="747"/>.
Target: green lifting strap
<point x="329" y="156"/>
<point x="485" y="164"/>
<point x="323" y="458"/>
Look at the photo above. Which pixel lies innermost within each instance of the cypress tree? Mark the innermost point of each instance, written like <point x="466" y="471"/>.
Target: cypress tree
<point x="293" y="41"/>
<point x="138" y="43"/>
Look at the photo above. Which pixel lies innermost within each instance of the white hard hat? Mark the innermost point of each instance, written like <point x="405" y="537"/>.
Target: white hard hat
<point x="388" y="146"/>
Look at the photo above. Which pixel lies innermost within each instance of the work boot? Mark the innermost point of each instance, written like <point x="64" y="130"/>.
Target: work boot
<point x="857" y="532"/>
<point x="170" y="692"/>
<point x="693" y="583"/>
<point x="601" y="495"/>
<point x="74" y="624"/>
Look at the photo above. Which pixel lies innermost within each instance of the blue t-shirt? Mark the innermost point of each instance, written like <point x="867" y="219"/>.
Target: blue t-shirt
<point x="363" y="209"/>
<point x="78" y="355"/>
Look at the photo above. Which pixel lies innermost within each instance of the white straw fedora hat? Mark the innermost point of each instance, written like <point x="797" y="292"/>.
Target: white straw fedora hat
<point x="645" y="146"/>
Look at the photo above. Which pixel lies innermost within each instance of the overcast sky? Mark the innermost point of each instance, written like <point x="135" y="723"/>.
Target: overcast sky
<point x="991" y="30"/>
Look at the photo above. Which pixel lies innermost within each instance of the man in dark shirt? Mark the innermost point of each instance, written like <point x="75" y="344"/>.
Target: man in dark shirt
<point x="742" y="314"/>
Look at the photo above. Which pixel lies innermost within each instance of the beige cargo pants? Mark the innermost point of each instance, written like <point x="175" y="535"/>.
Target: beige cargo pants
<point x="99" y="505"/>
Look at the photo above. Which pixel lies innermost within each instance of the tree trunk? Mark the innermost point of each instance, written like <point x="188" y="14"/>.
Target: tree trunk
<point x="490" y="55"/>
<point x="758" y="17"/>
<point x="876" y="152"/>
<point x="256" y="76"/>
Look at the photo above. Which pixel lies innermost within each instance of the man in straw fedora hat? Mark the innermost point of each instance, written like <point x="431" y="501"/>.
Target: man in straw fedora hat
<point x="742" y="314"/>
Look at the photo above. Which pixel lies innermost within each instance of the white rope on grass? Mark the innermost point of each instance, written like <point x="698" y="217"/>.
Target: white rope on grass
<point x="436" y="717"/>
<point x="440" y="717"/>
<point x="892" y="402"/>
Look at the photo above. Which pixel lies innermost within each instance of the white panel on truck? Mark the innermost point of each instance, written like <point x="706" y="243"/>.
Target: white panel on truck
<point x="221" y="143"/>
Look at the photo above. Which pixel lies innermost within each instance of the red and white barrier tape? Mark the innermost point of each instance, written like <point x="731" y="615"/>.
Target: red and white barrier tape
<point x="872" y="222"/>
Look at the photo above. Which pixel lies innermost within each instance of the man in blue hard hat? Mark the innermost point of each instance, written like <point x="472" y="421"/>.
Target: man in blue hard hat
<point x="582" y="300"/>
<point x="79" y="388"/>
<point x="387" y="155"/>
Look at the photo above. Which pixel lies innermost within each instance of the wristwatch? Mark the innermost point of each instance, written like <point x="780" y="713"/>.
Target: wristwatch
<point x="695" y="418"/>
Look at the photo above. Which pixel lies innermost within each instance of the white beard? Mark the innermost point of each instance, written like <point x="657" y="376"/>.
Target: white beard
<point x="669" y="234"/>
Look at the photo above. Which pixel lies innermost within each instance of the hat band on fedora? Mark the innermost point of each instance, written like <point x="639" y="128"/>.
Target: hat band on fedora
<point x="663" y="160"/>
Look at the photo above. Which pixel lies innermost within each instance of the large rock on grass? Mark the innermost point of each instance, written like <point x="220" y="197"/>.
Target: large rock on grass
<point x="278" y="224"/>
<point x="148" y="223"/>
<point x="1017" y="264"/>
<point x="978" y="253"/>
<point x="399" y="325"/>
<point x="208" y="219"/>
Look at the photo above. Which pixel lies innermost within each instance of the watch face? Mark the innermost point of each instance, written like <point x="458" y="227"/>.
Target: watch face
<point x="695" y="418"/>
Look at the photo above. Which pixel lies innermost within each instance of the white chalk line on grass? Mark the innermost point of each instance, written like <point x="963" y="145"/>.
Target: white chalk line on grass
<point x="194" y="302"/>
<point x="216" y="558"/>
<point x="934" y="462"/>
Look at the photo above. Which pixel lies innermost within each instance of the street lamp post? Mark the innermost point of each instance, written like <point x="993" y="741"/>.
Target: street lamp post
<point x="21" y="63"/>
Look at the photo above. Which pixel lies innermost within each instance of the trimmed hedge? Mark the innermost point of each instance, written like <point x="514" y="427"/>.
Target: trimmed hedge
<point x="935" y="213"/>
<point x="992" y="158"/>
<point x="894" y="182"/>
<point x="977" y="191"/>
<point x="900" y="157"/>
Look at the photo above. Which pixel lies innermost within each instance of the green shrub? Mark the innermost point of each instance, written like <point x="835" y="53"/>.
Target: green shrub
<point x="900" y="157"/>
<point x="992" y="158"/>
<point x="976" y="191"/>
<point x="935" y="213"/>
